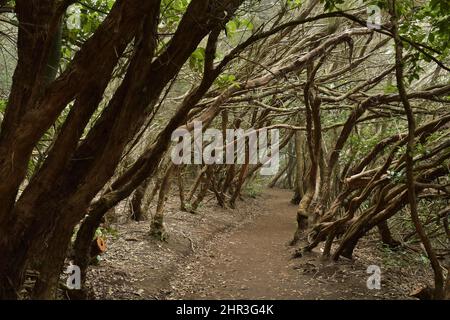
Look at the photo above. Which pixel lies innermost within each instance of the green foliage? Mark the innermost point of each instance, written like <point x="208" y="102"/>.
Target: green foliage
<point x="80" y="22"/>
<point x="294" y="4"/>
<point x="171" y="13"/>
<point x="238" y="25"/>
<point x="189" y="208"/>
<point x="363" y="142"/>
<point x="254" y="188"/>
<point x="197" y="59"/>
<point x="436" y="15"/>
<point x="436" y="136"/>
<point x="104" y="232"/>
<point x="397" y="177"/>
<point x="390" y="88"/>
<point x="331" y="5"/>
<point x="398" y="258"/>
<point x="426" y="23"/>
<point x="226" y="80"/>
<point x="3" y="103"/>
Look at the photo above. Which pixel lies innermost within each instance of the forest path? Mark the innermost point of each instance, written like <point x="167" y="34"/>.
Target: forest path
<point x="254" y="262"/>
<point x="239" y="254"/>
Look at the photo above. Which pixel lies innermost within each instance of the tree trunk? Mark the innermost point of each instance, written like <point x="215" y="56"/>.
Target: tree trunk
<point x="137" y="213"/>
<point x="439" y="290"/>
<point x="157" y="229"/>
<point x="205" y="182"/>
<point x="386" y="235"/>
<point x="181" y="189"/>
<point x="51" y="266"/>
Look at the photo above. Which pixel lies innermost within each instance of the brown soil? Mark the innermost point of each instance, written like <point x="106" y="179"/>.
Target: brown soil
<point x="239" y="254"/>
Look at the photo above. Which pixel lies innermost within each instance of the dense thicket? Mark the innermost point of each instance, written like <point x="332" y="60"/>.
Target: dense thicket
<point x="99" y="87"/>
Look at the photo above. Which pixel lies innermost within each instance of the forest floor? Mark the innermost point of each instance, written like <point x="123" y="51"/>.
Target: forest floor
<point x="242" y="254"/>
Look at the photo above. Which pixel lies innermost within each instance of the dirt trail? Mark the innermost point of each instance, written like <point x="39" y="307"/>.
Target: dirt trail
<point x="254" y="262"/>
<point x="239" y="254"/>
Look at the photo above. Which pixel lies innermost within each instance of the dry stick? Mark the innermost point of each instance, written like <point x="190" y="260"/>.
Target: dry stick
<point x="438" y="275"/>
